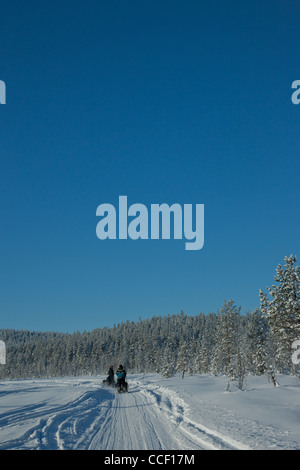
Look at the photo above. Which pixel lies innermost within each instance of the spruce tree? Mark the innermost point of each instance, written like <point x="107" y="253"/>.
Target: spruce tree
<point x="183" y="360"/>
<point x="228" y="356"/>
<point x="282" y="310"/>
<point x="257" y="343"/>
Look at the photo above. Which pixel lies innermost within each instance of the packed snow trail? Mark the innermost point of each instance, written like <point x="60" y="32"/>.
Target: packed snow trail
<point x="145" y="418"/>
<point x="157" y="414"/>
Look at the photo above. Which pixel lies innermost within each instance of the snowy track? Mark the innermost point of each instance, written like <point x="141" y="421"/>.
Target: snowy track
<point x="84" y="414"/>
<point x="103" y="419"/>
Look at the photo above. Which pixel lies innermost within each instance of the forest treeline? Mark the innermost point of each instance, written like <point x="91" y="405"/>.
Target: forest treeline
<point x="226" y="342"/>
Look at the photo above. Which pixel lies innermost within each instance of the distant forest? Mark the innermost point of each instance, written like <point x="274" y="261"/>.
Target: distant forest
<point x="226" y="342"/>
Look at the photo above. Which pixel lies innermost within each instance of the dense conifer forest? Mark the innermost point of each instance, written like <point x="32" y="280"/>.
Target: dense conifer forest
<point x="226" y="342"/>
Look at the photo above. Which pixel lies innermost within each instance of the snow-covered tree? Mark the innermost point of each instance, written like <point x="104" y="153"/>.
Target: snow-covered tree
<point x="282" y="310"/>
<point x="168" y="365"/>
<point x="257" y="343"/>
<point x="228" y="355"/>
<point x="183" y="359"/>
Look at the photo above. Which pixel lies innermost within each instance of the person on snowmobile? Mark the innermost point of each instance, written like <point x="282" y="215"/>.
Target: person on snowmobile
<point x="111" y="375"/>
<point x="110" y="380"/>
<point x="121" y="375"/>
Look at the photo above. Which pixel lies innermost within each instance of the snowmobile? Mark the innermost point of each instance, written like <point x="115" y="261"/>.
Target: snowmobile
<point x="121" y="387"/>
<point x="109" y="382"/>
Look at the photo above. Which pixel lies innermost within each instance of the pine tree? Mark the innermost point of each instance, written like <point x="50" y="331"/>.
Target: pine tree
<point x="183" y="360"/>
<point x="282" y="310"/>
<point x="168" y="368"/>
<point x="257" y="343"/>
<point x="228" y="356"/>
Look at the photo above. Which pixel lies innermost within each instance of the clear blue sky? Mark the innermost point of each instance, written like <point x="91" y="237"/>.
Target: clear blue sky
<point x="162" y="101"/>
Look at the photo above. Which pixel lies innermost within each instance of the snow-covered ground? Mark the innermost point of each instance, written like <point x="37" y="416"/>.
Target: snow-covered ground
<point x="157" y="414"/>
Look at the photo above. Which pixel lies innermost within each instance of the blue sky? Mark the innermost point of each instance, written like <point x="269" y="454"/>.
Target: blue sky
<point x="162" y="101"/>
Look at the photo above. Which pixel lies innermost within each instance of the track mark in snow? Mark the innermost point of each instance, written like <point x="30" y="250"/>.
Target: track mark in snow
<point x="60" y="427"/>
<point x="149" y="417"/>
<point x="174" y="408"/>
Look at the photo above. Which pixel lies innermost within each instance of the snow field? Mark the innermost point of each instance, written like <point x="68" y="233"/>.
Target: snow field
<point x="194" y="413"/>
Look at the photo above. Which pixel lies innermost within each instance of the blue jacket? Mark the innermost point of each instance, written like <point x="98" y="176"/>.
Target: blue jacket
<point x="121" y="373"/>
